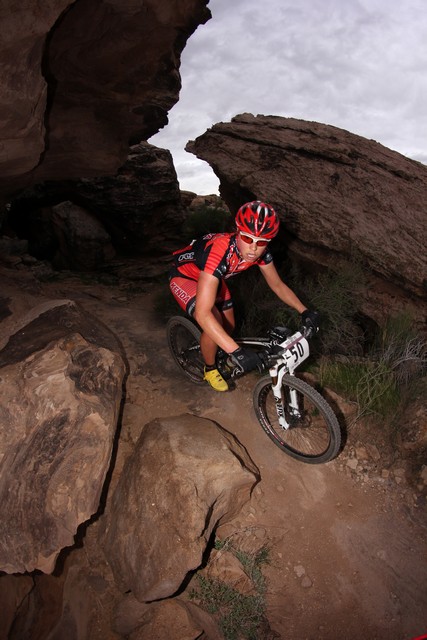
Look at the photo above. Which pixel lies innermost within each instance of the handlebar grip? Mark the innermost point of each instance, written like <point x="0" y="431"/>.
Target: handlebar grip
<point x="269" y="358"/>
<point x="308" y="332"/>
<point x="265" y="360"/>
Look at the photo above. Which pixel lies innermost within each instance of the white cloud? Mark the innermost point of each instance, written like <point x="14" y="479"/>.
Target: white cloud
<point x="356" y="64"/>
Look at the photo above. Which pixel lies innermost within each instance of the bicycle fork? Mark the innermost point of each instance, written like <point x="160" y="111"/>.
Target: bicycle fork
<point x="290" y="401"/>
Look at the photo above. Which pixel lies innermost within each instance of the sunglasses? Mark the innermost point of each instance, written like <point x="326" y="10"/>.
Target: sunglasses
<point x="250" y="240"/>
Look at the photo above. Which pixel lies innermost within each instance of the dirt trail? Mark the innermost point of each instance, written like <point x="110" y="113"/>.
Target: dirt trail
<point x="348" y="559"/>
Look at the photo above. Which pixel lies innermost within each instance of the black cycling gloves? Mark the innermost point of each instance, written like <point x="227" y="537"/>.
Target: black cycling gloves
<point x="310" y="320"/>
<point x="246" y="360"/>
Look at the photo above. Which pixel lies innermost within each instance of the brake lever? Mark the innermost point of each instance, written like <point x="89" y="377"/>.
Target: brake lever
<point x="308" y="332"/>
<point x="269" y="357"/>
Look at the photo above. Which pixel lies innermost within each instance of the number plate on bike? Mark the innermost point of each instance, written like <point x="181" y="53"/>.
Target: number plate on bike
<point x="296" y="352"/>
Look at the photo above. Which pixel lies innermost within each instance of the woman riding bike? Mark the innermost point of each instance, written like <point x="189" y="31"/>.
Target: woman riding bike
<point x="197" y="281"/>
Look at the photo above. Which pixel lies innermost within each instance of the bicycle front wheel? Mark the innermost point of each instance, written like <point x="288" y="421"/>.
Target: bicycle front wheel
<point x="314" y="435"/>
<point x="184" y="344"/>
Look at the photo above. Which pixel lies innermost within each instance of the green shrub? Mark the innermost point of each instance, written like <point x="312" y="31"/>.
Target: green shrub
<point x="379" y="383"/>
<point x="402" y="348"/>
<point x="238" y="615"/>
<point x="342" y="376"/>
<point x="257" y="308"/>
<point x="371" y="385"/>
<point x="335" y="294"/>
<point x="206" y="219"/>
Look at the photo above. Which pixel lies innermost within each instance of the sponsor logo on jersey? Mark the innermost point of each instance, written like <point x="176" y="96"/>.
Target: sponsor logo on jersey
<point x="186" y="256"/>
<point x="179" y="293"/>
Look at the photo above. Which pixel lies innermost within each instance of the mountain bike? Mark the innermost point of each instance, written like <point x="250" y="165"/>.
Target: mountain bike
<point x="291" y="412"/>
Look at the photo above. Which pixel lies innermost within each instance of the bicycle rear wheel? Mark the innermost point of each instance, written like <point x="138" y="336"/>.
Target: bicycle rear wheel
<point x="184" y="344"/>
<point x="314" y="435"/>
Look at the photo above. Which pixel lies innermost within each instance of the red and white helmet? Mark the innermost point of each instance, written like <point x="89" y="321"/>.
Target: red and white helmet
<point x="258" y="219"/>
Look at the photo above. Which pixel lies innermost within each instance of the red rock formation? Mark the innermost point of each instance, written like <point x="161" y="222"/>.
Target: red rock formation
<point x="62" y="375"/>
<point x="154" y="537"/>
<point x="81" y="81"/>
<point x="139" y="208"/>
<point x="337" y="192"/>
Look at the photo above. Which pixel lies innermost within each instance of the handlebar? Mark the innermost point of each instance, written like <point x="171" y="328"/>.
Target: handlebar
<point x="272" y="350"/>
<point x="281" y="333"/>
<point x="272" y="353"/>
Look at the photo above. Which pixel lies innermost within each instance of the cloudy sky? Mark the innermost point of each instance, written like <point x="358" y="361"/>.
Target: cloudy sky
<point x="360" y="65"/>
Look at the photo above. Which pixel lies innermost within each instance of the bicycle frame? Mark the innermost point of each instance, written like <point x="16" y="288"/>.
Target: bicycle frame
<point x="294" y="350"/>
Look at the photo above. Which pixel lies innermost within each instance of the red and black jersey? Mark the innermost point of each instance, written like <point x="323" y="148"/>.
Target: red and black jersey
<point x="214" y="253"/>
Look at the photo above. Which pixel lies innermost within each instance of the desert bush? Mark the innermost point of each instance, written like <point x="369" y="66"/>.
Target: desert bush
<point x="380" y="384"/>
<point x="402" y="348"/>
<point x="256" y="306"/>
<point x="206" y="219"/>
<point x="238" y="615"/>
<point x="334" y="294"/>
<point x="369" y="384"/>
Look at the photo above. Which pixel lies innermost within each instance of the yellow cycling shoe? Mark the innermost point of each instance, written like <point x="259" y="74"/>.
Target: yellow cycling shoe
<point x="216" y="380"/>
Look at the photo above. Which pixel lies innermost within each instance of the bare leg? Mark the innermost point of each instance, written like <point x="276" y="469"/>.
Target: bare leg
<point x="228" y="320"/>
<point x="207" y="346"/>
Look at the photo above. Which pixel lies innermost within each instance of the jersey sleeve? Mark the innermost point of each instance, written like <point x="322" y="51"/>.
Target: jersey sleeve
<point x="214" y="256"/>
<point x="266" y="258"/>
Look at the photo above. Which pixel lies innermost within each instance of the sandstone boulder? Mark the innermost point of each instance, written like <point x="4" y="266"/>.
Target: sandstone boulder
<point x="337" y="193"/>
<point x="23" y="85"/>
<point x="81" y="81"/>
<point x="13" y="591"/>
<point x="61" y="374"/>
<point x="82" y="241"/>
<point x="140" y="205"/>
<point x="185" y="476"/>
<point x="166" y="619"/>
<point x="139" y="208"/>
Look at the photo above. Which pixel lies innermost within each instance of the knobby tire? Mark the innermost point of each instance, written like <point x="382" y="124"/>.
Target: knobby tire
<point x="314" y="437"/>
<point x="184" y="344"/>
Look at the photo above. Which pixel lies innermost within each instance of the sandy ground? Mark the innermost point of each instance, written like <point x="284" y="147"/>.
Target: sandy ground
<point x="347" y="558"/>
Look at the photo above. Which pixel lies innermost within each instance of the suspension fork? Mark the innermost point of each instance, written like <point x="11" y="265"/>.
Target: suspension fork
<point x="291" y="401"/>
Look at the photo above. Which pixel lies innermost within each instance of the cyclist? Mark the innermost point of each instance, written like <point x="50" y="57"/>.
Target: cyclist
<point x="197" y="281"/>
